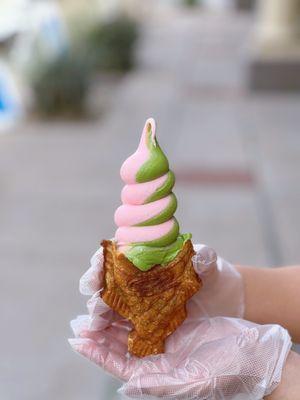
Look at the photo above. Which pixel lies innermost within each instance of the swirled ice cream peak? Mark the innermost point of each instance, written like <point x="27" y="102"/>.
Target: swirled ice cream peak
<point x="148" y="233"/>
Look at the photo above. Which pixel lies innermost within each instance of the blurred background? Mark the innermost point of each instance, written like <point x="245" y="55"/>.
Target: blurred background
<point x="78" y="78"/>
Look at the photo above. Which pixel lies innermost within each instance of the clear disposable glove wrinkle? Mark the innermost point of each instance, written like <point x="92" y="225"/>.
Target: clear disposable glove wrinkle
<point x="214" y="354"/>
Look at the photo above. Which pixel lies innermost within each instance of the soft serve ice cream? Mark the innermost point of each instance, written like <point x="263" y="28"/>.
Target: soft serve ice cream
<point x="148" y="233"/>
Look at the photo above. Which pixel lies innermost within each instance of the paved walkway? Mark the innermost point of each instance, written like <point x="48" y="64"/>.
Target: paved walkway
<point x="236" y="155"/>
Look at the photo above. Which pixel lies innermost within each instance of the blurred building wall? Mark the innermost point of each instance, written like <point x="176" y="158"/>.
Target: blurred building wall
<point x="278" y="22"/>
<point x="275" y="63"/>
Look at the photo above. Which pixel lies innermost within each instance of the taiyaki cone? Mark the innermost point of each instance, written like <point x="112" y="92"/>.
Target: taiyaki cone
<point x="154" y="301"/>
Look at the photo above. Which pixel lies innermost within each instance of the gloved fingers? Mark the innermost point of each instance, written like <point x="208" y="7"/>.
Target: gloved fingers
<point x="205" y="260"/>
<point x="245" y="357"/>
<point x="95" y="324"/>
<point x="222" y="292"/>
<point x="96" y="305"/>
<point x="79" y="324"/>
<point x="165" y="386"/>
<point x="123" y="324"/>
<point x="91" y="280"/>
<point x="119" y="332"/>
<point x="219" y="388"/>
<point x="101" y="315"/>
<point x="192" y="379"/>
<point x="101" y="322"/>
<point x="112" y="342"/>
<point x="188" y="336"/>
<point x="113" y="362"/>
<point x="236" y="358"/>
<point x="113" y="333"/>
<point x="115" y="336"/>
<point x="145" y="386"/>
<point x="161" y="364"/>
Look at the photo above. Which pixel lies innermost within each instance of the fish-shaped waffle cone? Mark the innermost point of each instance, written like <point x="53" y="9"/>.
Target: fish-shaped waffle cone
<point x="154" y="301"/>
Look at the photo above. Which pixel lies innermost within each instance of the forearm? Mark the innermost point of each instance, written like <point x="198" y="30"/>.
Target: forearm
<point x="272" y="296"/>
<point x="289" y="387"/>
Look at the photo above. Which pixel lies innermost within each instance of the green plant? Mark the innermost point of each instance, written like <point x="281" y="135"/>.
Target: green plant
<point x="190" y="3"/>
<point x="110" y="45"/>
<point x="60" y="86"/>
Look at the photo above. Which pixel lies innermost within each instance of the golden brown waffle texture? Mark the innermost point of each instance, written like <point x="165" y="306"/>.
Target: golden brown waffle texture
<point x="154" y="301"/>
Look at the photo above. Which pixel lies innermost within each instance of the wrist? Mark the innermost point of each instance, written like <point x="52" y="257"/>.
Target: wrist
<point x="289" y="387"/>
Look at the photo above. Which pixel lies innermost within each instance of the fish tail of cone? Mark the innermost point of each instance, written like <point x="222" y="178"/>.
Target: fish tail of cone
<point x="152" y="344"/>
<point x="142" y="347"/>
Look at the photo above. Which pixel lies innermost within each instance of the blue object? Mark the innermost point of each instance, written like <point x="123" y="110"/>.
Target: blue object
<point x="9" y="101"/>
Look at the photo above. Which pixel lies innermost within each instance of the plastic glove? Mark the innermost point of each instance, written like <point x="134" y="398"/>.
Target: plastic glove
<point x="212" y="358"/>
<point x="217" y="358"/>
<point x="222" y="293"/>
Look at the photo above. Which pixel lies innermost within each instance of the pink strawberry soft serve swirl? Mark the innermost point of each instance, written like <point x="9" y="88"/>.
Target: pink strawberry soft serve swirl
<point x="145" y="219"/>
